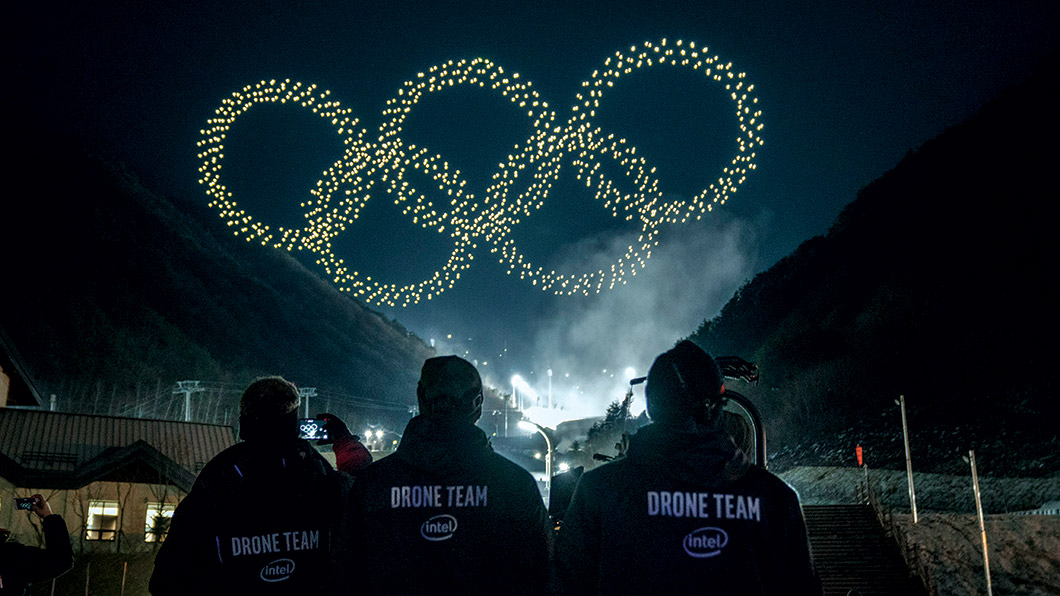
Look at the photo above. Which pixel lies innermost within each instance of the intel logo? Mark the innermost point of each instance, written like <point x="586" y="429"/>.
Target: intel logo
<point x="705" y="542"/>
<point x="278" y="570"/>
<point x="439" y="527"/>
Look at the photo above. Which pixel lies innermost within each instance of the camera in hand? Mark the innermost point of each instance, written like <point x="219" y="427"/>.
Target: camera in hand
<point x="312" y="429"/>
<point x="24" y="504"/>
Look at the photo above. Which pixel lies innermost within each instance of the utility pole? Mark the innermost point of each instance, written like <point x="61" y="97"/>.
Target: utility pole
<point x="982" y="526"/>
<point x="305" y="393"/>
<point x="187" y="388"/>
<point x="908" y="458"/>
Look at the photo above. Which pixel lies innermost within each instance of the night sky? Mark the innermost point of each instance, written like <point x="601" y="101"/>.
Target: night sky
<point x="845" y="90"/>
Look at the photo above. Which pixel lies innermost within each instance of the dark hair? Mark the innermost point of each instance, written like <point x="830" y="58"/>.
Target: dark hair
<point x="268" y="409"/>
<point x="449" y="387"/>
<point x="684" y="384"/>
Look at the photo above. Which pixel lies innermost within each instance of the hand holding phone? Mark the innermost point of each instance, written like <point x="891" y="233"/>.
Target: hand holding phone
<point x="335" y="428"/>
<point x="24" y="503"/>
<point x="312" y="429"/>
<point x="36" y="503"/>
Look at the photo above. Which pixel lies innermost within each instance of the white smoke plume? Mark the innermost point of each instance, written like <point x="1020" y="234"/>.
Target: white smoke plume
<point x="692" y="273"/>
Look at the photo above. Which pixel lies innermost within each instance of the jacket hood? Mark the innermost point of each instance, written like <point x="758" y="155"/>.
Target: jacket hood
<point x="443" y="446"/>
<point x="704" y="457"/>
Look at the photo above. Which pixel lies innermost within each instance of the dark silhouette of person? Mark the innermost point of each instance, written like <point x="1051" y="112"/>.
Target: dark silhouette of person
<point x="22" y="565"/>
<point x="444" y="514"/>
<point x="262" y="516"/>
<point x="685" y="510"/>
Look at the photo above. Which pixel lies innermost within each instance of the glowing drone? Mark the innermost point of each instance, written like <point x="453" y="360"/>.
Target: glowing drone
<point x="517" y="189"/>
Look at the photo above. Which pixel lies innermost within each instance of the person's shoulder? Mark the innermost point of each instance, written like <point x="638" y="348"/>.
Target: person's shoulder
<point x="606" y="474"/>
<point x="770" y="483"/>
<point x="505" y="467"/>
<point x="381" y="469"/>
<point x="224" y="462"/>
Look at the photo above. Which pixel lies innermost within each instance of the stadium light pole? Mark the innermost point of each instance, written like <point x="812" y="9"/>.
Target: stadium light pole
<point x="908" y="458"/>
<point x="532" y="426"/>
<point x="305" y="393"/>
<point x="187" y="388"/>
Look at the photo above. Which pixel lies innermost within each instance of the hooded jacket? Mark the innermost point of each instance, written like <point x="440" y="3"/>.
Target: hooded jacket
<point x="683" y="512"/>
<point x="21" y="565"/>
<point x="261" y="518"/>
<point x="446" y="515"/>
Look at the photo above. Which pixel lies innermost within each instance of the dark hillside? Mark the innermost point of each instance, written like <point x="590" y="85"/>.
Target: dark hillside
<point x="108" y="287"/>
<point x="940" y="281"/>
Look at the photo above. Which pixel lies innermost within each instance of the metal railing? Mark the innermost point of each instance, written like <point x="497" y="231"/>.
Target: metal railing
<point x="909" y="549"/>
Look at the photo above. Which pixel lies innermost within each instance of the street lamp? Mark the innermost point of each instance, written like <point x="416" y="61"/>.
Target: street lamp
<point x="532" y="426"/>
<point x="550" y="388"/>
<point x="516" y="381"/>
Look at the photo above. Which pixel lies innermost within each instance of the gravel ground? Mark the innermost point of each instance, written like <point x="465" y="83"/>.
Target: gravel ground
<point x="1024" y="552"/>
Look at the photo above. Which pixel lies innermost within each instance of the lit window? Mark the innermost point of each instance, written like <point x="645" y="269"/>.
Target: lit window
<point x="102" y="520"/>
<point x="158" y="516"/>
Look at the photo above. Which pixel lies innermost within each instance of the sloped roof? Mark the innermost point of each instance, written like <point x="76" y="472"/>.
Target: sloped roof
<point x="64" y="450"/>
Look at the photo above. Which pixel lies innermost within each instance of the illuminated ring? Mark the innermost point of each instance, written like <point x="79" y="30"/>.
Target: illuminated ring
<point x="314" y="235"/>
<point x="639" y="205"/>
<point x="463" y="219"/>
<point x="466" y="220"/>
<point x="687" y="55"/>
<point x="647" y="199"/>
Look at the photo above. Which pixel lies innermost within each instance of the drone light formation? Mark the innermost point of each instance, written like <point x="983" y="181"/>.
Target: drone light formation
<point x="518" y="188"/>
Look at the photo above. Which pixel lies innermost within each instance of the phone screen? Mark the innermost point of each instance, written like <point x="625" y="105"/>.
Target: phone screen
<point x="26" y="503"/>
<point x="312" y="429"/>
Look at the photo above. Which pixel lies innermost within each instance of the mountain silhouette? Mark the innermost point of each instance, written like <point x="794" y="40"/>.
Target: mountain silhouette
<point x="940" y="281"/>
<point x="111" y="290"/>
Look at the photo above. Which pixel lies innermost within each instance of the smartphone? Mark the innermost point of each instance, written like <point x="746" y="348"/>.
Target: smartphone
<point x="312" y="429"/>
<point x="24" y="504"/>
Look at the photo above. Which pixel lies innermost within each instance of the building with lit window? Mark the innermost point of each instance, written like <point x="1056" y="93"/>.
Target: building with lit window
<point x="116" y="481"/>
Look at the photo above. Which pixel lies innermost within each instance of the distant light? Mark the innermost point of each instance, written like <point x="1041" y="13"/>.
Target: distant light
<point x="630" y="373"/>
<point x="564" y="467"/>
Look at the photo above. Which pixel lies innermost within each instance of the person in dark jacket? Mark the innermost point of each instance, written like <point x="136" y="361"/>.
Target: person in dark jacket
<point x="445" y="514"/>
<point x="685" y="511"/>
<point x="262" y="515"/>
<point x="22" y="565"/>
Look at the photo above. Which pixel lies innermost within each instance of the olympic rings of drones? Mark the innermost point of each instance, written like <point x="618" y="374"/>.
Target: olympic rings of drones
<point x="346" y="186"/>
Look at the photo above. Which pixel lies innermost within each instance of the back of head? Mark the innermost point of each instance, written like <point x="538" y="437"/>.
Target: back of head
<point x="268" y="410"/>
<point x="684" y="386"/>
<point x="450" y="387"/>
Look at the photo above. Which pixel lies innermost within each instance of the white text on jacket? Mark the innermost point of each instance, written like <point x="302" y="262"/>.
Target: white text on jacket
<point x="277" y="542"/>
<point x="704" y="505"/>
<point x="438" y="496"/>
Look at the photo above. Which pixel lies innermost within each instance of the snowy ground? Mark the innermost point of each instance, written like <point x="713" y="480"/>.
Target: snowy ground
<point x="1024" y="550"/>
<point x="820" y="485"/>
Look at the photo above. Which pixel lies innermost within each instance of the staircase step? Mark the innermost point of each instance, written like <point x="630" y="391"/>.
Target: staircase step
<point x="852" y="551"/>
